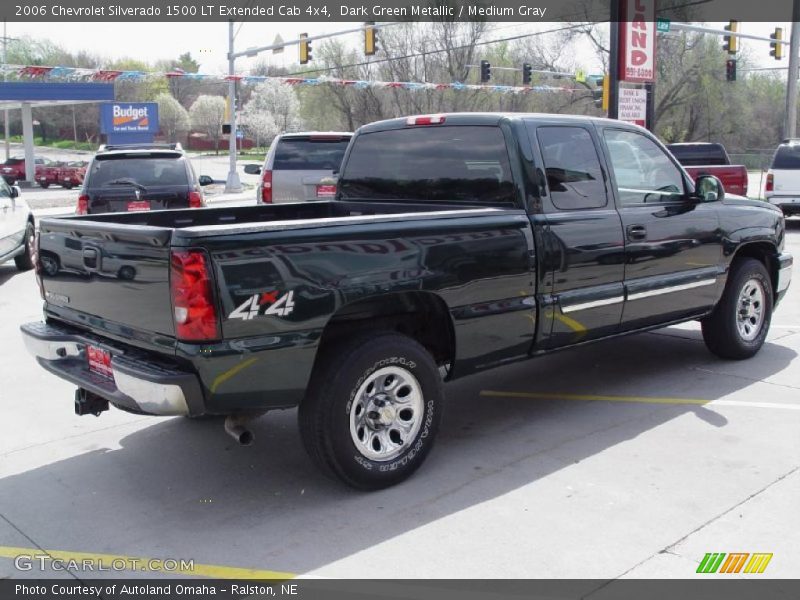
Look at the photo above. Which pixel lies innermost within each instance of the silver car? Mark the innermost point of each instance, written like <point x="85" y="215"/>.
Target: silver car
<point x="299" y="167"/>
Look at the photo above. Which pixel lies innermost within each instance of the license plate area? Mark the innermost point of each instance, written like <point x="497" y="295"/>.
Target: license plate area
<point x="138" y="205"/>
<point x="326" y="191"/>
<point x="99" y="361"/>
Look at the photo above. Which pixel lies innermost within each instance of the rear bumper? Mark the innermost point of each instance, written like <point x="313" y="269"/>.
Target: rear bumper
<point x="139" y="384"/>
<point x="790" y="205"/>
<point x="785" y="265"/>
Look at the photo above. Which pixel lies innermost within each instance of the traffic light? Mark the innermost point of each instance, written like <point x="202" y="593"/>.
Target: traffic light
<point x="730" y="69"/>
<point x="601" y="94"/>
<point x="777" y="46"/>
<point x="370" y="38"/>
<point x="527" y="73"/>
<point x="305" y="49"/>
<point x="486" y="71"/>
<point x="731" y="42"/>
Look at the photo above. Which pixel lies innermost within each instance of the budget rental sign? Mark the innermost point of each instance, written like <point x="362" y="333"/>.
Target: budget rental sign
<point x="637" y="41"/>
<point x="129" y="117"/>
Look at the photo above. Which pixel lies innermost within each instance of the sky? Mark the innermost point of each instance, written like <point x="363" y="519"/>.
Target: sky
<point x="208" y="42"/>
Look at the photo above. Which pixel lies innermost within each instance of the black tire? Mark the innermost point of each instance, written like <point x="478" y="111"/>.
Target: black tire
<point x="325" y="413"/>
<point x="24" y="261"/>
<point x="721" y="330"/>
<point x="44" y="185"/>
<point x="66" y="186"/>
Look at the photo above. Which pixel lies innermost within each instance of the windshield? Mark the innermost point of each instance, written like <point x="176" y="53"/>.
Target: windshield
<point x="304" y="154"/>
<point x="787" y="157"/>
<point x="143" y="171"/>
<point x="459" y="163"/>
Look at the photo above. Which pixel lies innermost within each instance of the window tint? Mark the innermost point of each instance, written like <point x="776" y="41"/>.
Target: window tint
<point x="306" y="154"/>
<point x="643" y="171"/>
<point x="787" y="157"/>
<point x="144" y="171"/>
<point x="458" y="163"/>
<point x="573" y="170"/>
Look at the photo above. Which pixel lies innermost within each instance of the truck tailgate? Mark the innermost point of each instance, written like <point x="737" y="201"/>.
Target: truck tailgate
<point x="733" y="177"/>
<point x="108" y="277"/>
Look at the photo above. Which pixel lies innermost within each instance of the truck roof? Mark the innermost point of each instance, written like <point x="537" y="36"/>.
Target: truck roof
<point x="489" y="118"/>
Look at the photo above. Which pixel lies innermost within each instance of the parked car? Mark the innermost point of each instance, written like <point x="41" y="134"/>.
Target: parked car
<point x="299" y="167"/>
<point x="456" y="243"/>
<point x="700" y="158"/>
<point x="71" y="174"/>
<point x="48" y="174"/>
<point x="13" y="169"/>
<point x="140" y="177"/>
<point x="783" y="178"/>
<point x="16" y="228"/>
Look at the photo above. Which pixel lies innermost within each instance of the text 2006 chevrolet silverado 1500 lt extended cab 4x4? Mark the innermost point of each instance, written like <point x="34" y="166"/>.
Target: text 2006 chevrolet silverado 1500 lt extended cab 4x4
<point x="455" y="243"/>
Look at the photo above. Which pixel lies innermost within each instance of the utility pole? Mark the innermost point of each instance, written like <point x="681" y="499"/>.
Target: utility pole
<point x="5" y="112"/>
<point x="790" y="129"/>
<point x="232" y="184"/>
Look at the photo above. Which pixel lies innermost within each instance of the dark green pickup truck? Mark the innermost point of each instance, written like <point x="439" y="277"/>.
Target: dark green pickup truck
<point x="455" y="243"/>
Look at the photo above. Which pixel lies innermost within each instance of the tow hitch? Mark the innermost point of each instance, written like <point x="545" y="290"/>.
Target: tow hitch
<point x="87" y="403"/>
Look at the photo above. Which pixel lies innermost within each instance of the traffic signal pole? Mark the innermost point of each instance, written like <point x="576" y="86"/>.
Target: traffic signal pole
<point x="232" y="183"/>
<point x="790" y="130"/>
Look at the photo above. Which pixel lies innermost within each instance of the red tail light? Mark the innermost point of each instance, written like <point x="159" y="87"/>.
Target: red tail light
<point x="266" y="187"/>
<point x="426" y="120"/>
<point x="770" y="183"/>
<point x="192" y="296"/>
<point x="196" y="199"/>
<point x="83" y="205"/>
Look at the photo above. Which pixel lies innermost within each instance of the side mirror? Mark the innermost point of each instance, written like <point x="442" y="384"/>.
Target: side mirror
<point x="204" y="180"/>
<point x="708" y="188"/>
<point x="252" y="169"/>
<point x="15" y="191"/>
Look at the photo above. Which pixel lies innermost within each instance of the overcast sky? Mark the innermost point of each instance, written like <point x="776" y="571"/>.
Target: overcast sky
<point x="208" y="42"/>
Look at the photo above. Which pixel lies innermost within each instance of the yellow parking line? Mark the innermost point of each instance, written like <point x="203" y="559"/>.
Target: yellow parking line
<point x="151" y="565"/>
<point x="593" y="398"/>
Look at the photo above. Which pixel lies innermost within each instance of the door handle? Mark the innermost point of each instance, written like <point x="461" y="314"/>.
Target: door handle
<point x="636" y="232"/>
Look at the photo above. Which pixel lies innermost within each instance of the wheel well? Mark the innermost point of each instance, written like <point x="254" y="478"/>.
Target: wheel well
<point x="765" y="253"/>
<point x="422" y="316"/>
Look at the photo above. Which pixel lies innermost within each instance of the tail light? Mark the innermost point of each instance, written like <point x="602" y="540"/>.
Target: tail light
<point x="192" y="296"/>
<point x="266" y="187"/>
<point x="770" y="187"/>
<point x="196" y="199"/>
<point x="426" y="120"/>
<point x="83" y="205"/>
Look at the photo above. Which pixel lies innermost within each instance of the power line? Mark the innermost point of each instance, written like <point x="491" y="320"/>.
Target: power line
<point x="429" y="52"/>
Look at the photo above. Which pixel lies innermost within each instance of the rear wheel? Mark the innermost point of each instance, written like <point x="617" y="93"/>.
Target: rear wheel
<point x="66" y="185"/>
<point x="24" y="261"/>
<point x="740" y="322"/>
<point x="372" y="410"/>
<point x="44" y="184"/>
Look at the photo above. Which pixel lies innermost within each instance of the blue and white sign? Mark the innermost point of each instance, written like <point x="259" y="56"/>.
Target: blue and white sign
<point x="129" y="117"/>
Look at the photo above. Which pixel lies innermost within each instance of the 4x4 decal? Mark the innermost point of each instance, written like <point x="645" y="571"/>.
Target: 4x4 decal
<point x="252" y="307"/>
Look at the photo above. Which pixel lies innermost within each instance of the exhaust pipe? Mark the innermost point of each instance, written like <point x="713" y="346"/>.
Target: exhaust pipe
<point x="234" y="426"/>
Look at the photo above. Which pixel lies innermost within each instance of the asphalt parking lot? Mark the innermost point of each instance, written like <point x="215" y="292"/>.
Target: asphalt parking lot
<point x="630" y="458"/>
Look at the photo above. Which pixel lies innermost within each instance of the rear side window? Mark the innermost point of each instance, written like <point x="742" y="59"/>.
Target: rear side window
<point x="304" y="154"/>
<point x="787" y="157"/>
<point x="574" y="175"/>
<point x="151" y="171"/>
<point x="433" y="164"/>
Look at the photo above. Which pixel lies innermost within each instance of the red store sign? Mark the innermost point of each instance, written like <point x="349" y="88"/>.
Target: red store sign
<point x="637" y="41"/>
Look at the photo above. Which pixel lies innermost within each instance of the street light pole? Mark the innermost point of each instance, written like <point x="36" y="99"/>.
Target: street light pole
<point x="232" y="184"/>
<point x="5" y="112"/>
<point x="790" y="130"/>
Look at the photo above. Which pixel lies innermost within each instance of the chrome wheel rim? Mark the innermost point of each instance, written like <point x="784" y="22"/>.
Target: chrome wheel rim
<point x="386" y="413"/>
<point x="750" y="310"/>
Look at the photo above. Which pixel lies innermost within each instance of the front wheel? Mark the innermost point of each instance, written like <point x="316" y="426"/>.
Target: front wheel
<point x="24" y="261"/>
<point x="372" y="410"/>
<point x="740" y="322"/>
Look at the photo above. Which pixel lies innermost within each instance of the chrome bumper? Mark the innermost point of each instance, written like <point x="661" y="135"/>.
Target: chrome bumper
<point x="137" y="384"/>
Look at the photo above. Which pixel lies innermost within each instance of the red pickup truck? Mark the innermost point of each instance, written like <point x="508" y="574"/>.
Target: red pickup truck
<point x="711" y="159"/>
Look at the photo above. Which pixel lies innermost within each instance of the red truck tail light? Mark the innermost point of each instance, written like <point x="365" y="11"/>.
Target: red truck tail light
<point x="266" y="187"/>
<point x="83" y="205"/>
<point x="192" y="292"/>
<point x="196" y="199"/>
<point x="426" y="120"/>
<point x="770" y="187"/>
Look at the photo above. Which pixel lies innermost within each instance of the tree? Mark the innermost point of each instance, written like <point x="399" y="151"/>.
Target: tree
<point x="259" y="124"/>
<point x="172" y="117"/>
<point x="280" y="101"/>
<point x="208" y="115"/>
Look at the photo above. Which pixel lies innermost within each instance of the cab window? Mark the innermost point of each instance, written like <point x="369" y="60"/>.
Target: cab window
<point x="643" y="172"/>
<point x="574" y="175"/>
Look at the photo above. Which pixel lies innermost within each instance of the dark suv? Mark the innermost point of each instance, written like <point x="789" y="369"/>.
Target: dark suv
<point x="136" y="177"/>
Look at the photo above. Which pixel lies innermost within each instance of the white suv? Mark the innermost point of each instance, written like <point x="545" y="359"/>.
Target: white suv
<point x="783" y="178"/>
